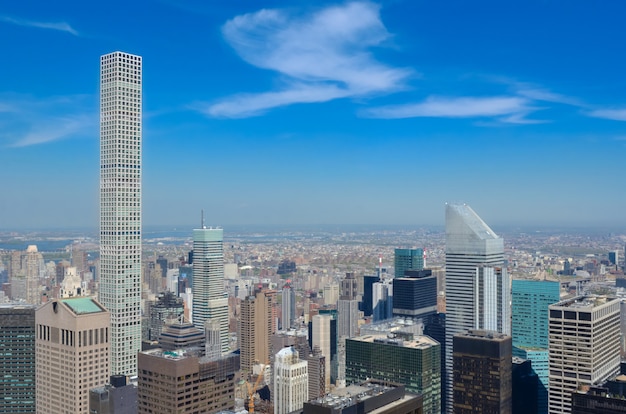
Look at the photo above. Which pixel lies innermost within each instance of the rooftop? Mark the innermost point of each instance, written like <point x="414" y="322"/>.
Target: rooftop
<point x="418" y="342"/>
<point x="83" y="305"/>
<point x="587" y="301"/>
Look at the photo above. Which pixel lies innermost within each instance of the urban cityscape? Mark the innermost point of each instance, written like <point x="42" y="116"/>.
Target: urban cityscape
<point x="404" y="302"/>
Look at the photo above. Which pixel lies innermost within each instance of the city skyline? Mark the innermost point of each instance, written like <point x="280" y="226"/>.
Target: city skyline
<point x="233" y="107"/>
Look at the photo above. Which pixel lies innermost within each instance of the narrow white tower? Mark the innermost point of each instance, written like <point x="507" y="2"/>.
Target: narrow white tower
<point x="120" y="205"/>
<point x="291" y="381"/>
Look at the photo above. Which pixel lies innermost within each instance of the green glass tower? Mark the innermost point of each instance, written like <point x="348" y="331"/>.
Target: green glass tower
<point x="408" y="259"/>
<point x="412" y="361"/>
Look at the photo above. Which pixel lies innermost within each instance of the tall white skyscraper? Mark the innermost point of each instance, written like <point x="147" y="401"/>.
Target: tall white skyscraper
<point x="120" y="205"/>
<point x="291" y="381"/>
<point x="321" y="339"/>
<point x="477" y="283"/>
<point x="210" y="300"/>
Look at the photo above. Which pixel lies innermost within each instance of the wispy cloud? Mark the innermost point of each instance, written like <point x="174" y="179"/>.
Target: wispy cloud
<point x="28" y="121"/>
<point x="321" y="56"/>
<point x="511" y="109"/>
<point x="60" y="26"/>
<point x="616" y="114"/>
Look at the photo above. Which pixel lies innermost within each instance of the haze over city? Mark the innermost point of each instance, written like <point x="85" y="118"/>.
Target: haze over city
<point x="322" y="112"/>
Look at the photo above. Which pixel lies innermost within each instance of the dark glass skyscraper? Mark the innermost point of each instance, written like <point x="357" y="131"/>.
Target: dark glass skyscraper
<point x="408" y="259"/>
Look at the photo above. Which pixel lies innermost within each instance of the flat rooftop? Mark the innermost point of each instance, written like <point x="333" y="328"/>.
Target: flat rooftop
<point x="351" y="395"/>
<point x="418" y="342"/>
<point x="587" y="301"/>
<point x="83" y="306"/>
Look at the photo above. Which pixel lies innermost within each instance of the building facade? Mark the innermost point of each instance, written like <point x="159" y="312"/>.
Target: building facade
<point x="583" y="346"/>
<point x="529" y="328"/>
<point x="291" y="381"/>
<point x="255" y="330"/>
<point x="477" y="283"/>
<point x="210" y="300"/>
<point x="120" y="205"/>
<point x="72" y="351"/>
<point x="407" y="259"/>
<point x="482" y="373"/>
<point x="17" y="359"/>
<point x="410" y="360"/>
<point x="181" y="381"/>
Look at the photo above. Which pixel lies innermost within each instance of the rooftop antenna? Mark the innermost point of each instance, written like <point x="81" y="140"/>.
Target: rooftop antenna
<point x="202" y="218"/>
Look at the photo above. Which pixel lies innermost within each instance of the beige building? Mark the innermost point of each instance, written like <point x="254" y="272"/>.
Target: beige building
<point x="321" y="340"/>
<point x="181" y="381"/>
<point x="71" y="354"/>
<point x="255" y="329"/>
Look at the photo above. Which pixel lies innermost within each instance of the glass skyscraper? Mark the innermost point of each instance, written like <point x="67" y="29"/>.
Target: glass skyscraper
<point x="408" y="259"/>
<point x="529" y="327"/>
<point x="477" y="283"/>
<point x="210" y="301"/>
<point x="120" y="205"/>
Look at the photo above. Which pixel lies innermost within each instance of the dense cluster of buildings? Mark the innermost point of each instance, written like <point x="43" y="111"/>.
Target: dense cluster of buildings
<point x="204" y="332"/>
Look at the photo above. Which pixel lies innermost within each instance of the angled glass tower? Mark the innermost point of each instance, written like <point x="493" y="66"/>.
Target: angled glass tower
<point x="407" y="259"/>
<point x="120" y="205"/>
<point x="210" y="301"/>
<point x="477" y="283"/>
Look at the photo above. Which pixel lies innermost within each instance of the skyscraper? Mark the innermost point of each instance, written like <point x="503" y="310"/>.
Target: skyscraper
<point x="255" y="329"/>
<point x="482" y="373"/>
<point x="321" y="338"/>
<point x="288" y="314"/>
<point x="209" y="297"/>
<point x="529" y="327"/>
<point x="17" y="359"/>
<point x="72" y="350"/>
<point x="477" y="284"/>
<point x="291" y="381"/>
<point x="120" y="205"/>
<point x="583" y="346"/>
<point x="408" y="259"/>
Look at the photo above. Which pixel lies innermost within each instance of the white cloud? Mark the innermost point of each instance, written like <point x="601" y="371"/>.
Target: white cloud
<point x="614" y="114"/>
<point x="323" y="56"/>
<point x="28" y="121"/>
<point x="511" y="108"/>
<point x="60" y="26"/>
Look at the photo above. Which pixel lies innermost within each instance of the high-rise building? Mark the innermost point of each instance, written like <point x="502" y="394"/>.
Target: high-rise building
<point x="408" y="259"/>
<point x="413" y="361"/>
<point x="367" y="305"/>
<point x="166" y="309"/>
<point x="477" y="283"/>
<point x="321" y="338"/>
<point x="72" y="351"/>
<point x="255" y="329"/>
<point x="182" y="381"/>
<point x="415" y="294"/>
<point x="382" y="300"/>
<point x="210" y="300"/>
<point x="482" y="381"/>
<point x="525" y="385"/>
<point x="583" y="346"/>
<point x="17" y="359"/>
<point x="120" y="205"/>
<point x="331" y="294"/>
<point x="349" y="287"/>
<point x="288" y="314"/>
<point x="529" y="328"/>
<point x="291" y="381"/>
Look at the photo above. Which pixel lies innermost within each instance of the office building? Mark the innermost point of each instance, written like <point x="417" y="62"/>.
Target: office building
<point x="482" y="381"/>
<point x="408" y="259"/>
<point x="614" y="257"/>
<point x="117" y="397"/>
<point x="368" y="397"/>
<point x="525" y="386"/>
<point x="367" y="305"/>
<point x="120" y="205"/>
<point x="349" y="287"/>
<point x="17" y="359"/>
<point x="288" y="314"/>
<point x="316" y="367"/>
<point x="583" y="346"/>
<point x="166" y="309"/>
<point x="182" y="381"/>
<point x="382" y="300"/>
<point x="415" y="294"/>
<point x="291" y="381"/>
<point x="72" y="351"/>
<point x="210" y="300"/>
<point x="477" y="283"/>
<point x="529" y="328"/>
<point x="255" y="329"/>
<point x="182" y="335"/>
<point x="606" y="398"/>
<point x="27" y="268"/>
<point x="331" y="294"/>
<point x="401" y="358"/>
<point x="321" y="339"/>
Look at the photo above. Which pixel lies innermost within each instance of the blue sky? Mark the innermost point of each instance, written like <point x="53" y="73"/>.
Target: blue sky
<point x="313" y="112"/>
